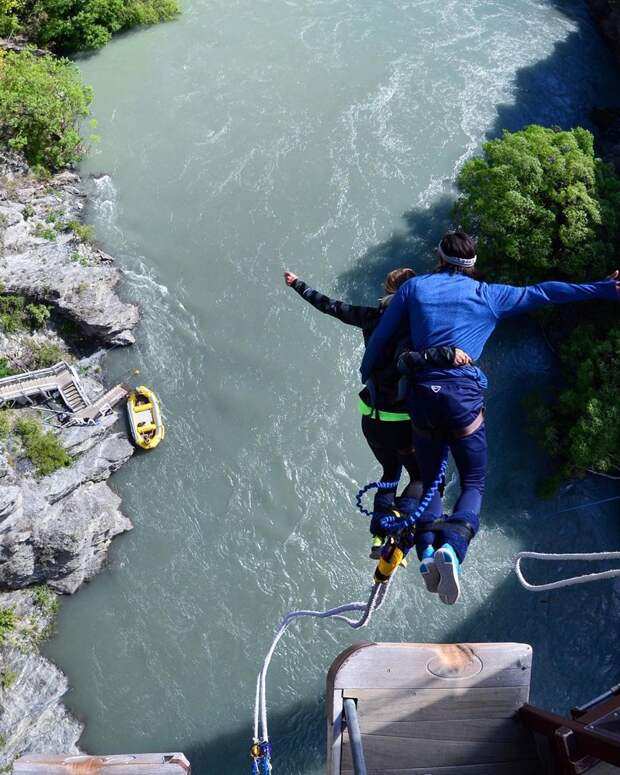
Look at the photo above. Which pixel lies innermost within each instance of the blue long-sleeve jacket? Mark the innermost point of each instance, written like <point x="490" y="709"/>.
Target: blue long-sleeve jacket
<point x="452" y="310"/>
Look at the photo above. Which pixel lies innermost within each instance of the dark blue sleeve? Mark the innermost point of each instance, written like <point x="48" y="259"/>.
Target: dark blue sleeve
<point x="506" y="300"/>
<point x="389" y="325"/>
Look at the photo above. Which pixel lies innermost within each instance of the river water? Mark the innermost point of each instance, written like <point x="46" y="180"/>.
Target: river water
<point x="321" y="136"/>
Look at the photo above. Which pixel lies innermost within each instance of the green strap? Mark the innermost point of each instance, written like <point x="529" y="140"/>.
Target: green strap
<point x="379" y="414"/>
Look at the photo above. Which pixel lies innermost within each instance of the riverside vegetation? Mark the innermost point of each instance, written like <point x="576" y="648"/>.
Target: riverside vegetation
<point x="546" y="208"/>
<point x="43" y="107"/>
<point x="57" y="514"/>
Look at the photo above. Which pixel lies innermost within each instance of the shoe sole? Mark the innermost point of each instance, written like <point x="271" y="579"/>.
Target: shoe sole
<point x="449" y="589"/>
<point x="431" y="578"/>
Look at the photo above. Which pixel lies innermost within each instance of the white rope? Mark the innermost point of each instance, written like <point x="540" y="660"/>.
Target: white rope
<point x="375" y="601"/>
<point x="583" y="579"/>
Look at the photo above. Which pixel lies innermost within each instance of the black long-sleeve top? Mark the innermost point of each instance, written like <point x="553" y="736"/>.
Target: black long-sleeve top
<point x="385" y="377"/>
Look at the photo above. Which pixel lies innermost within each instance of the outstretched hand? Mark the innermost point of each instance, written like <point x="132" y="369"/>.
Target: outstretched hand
<point x="614" y="276"/>
<point x="289" y="278"/>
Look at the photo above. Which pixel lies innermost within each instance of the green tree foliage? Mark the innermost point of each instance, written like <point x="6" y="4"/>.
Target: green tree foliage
<point x="544" y="207"/>
<point x="17" y="315"/>
<point x="10" y="16"/>
<point x="42" y="103"/>
<point x="65" y="26"/>
<point x="6" y="370"/>
<point x="46" y="354"/>
<point x="8" y="620"/>
<point x="582" y="428"/>
<point x="42" y="449"/>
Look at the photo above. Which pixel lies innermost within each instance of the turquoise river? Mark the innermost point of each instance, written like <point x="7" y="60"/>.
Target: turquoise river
<point x="322" y="136"/>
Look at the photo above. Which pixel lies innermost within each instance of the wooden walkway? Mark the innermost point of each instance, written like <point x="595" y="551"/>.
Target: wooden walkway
<point x="62" y="379"/>
<point x="82" y="764"/>
<point x="433" y="709"/>
<point x="103" y="405"/>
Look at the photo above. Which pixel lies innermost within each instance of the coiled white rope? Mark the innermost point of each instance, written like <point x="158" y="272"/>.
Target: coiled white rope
<point x="561" y="583"/>
<point x="374" y="602"/>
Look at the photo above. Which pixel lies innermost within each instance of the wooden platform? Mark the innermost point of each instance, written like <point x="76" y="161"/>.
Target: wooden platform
<point x="433" y="709"/>
<point x="130" y="764"/>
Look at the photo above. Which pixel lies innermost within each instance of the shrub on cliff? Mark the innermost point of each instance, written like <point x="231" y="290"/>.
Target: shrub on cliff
<point x="66" y="26"/>
<point x="8" y="621"/>
<point x="17" y="315"/>
<point x="42" y="103"/>
<point x="43" y="449"/>
<point x="544" y="207"/>
<point x="46" y="354"/>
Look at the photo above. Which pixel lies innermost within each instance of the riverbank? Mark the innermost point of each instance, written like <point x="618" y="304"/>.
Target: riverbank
<point x="55" y="529"/>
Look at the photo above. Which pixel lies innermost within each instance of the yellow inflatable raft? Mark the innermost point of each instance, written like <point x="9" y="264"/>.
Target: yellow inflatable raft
<point x="145" y="421"/>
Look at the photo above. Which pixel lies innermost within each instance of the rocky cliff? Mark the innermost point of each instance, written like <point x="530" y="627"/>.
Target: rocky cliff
<point x="46" y="256"/>
<point x="607" y="15"/>
<point x="55" y="530"/>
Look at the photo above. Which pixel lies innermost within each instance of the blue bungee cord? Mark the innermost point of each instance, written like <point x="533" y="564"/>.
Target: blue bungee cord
<point x="373" y="486"/>
<point x="390" y="523"/>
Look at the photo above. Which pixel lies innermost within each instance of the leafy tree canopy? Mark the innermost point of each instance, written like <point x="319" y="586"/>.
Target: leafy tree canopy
<point x="66" y="26"/>
<point x="544" y="207"/>
<point x="42" y="103"/>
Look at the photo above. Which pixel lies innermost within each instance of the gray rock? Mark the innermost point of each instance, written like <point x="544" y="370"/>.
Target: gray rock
<point x="10" y="501"/>
<point x="32" y="717"/>
<point x="58" y="529"/>
<point x="84" y="290"/>
<point x="102" y="459"/>
<point x="74" y="537"/>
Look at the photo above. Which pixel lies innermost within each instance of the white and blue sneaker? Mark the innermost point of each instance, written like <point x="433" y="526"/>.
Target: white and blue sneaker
<point x="447" y="568"/>
<point x="428" y="569"/>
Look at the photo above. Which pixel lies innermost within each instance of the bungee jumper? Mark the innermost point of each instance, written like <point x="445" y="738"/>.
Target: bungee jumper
<point x="386" y="423"/>
<point x="454" y="307"/>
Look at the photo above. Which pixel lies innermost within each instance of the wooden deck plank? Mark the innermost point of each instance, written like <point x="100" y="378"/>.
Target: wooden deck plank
<point x="413" y="665"/>
<point x="400" y="753"/>
<point x="500" y="768"/>
<point x="437" y="704"/>
<point x="464" y="729"/>
<point x="130" y="764"/>
<point x="425" y="708"/>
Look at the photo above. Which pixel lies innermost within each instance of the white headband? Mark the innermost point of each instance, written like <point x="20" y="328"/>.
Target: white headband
<point x="456" y="260"/>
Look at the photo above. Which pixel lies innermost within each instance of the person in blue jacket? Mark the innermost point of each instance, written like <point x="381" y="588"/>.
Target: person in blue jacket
<point x="386" y="423"/>
<point x="453" y="307"/>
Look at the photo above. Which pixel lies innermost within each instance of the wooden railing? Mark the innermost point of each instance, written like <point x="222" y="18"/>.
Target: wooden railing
<point x="577" y="745"/>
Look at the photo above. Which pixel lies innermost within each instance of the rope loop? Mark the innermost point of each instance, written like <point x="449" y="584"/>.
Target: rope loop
<point x="392" y="524"/>
<point x="583" y="579"/>
<point x="372" y="486"/>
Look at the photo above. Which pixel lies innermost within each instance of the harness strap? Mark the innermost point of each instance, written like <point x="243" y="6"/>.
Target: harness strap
<point x="435" y="434"/>
<point x="441" y="525"/>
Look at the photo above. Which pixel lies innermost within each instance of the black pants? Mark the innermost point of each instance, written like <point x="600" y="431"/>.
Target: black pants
<point x="391" y="444"/>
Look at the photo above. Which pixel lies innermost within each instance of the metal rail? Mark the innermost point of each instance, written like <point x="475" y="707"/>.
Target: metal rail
<point x="355" y="737"/>
<point x="61" y="378"/>
<point x="581" y="709"/>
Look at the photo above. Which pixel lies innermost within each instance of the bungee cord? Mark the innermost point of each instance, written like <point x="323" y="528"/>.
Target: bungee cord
<point x="573" y="580"/>
<point x="261" y="749"/>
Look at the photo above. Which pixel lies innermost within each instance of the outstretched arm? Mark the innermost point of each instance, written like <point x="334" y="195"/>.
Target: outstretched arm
<point x="350" y="314"/>
<point x="388" y="327"/>
<point x="506" y="300"/>
<point x="410" y="361"/>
